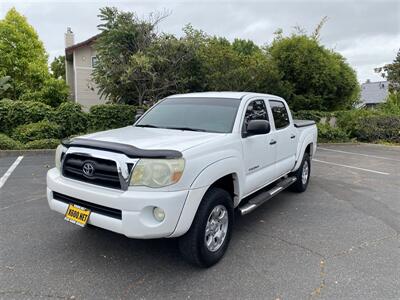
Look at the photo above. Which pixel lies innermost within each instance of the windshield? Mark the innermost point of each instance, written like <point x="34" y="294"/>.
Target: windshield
<point x="195" y="114"/>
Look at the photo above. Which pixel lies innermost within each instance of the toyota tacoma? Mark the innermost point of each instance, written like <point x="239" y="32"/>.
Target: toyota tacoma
<point x="184" y="169"/>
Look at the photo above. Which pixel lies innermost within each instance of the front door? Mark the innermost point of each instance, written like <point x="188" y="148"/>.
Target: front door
<point x="259" y="154"/>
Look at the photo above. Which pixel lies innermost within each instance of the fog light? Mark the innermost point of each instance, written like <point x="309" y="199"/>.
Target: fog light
<point x="159" y="214"/>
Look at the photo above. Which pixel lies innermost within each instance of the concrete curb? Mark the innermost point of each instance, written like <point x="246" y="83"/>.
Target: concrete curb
<point x="364" y="144"/>
<point x="5" y="153"/>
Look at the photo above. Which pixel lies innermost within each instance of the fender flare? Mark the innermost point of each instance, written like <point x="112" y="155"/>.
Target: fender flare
<point x="301" y="150"/>
<point x="200" y="185"/>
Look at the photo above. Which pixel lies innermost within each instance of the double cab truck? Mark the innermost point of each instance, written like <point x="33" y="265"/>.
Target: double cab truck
<point x="184" y="169"/>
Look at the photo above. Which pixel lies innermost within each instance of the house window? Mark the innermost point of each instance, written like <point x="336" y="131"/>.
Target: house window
<point x="94" y="61"/>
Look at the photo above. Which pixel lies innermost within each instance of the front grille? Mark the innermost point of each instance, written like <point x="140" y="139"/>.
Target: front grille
<point x="103" y="210"/>
<point x="105" y="171"/>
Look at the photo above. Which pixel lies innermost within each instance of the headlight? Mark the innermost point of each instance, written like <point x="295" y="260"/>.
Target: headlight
<point x="59" y="152"/>
<point x="157" y="172"/>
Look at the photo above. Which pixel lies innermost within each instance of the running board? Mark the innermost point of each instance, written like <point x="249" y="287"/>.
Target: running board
<point x="260" y="199"/>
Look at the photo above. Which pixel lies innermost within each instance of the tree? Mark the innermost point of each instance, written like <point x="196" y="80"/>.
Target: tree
<point x="4" y="85"/>
<point x="392" y="73"/>
<point x="319" y="78"/>
<point x="245" y="47"/>
<point x="237" y="66"/>
<point x="158" y="70"/>
<point x="136" y="64"/>
<point x="57" y="67"/>
<point x="123" y="35"/>
<point x="22" y="55"/>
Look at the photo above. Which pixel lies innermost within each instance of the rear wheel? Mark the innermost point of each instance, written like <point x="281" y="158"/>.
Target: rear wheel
<point x="302" y="175"/>
<point x="207" y="239"/>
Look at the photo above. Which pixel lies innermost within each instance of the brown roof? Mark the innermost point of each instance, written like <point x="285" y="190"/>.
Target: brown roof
<point x="88" y="42"/>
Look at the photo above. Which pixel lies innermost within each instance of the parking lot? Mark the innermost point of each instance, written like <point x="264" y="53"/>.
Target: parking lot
<point x="338" y="240"/>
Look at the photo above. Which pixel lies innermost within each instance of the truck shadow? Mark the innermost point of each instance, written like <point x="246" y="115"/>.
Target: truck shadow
<point x="104" y="245"/>
<point x="138" y="264"/>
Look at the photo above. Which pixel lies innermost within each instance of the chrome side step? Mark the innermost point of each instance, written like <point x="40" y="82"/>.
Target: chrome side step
<point x="260" y="199"/>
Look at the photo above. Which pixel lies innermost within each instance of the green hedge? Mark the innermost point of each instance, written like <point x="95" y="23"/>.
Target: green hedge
<point x="37" y="131"/>
<point x="43" y="144"/>
<point x="378" y="128"/>
<point x="28" y="121"/>
<point x="16" y="113"/>
<point x="53" y="93"/>
<point x="71" y="118"/>
<point x="109" y="116"/>
<point x="327" y="133"/>
<point x="7" y="143"/>
<point x="348" y="120"/>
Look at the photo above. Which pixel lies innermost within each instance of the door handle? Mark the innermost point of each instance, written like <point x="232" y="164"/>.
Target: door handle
<point x="293" y="136"/>
<point x="272" y="142"/>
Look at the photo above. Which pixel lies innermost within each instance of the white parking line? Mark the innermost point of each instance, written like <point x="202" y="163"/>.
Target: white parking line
<point x="361" y="154"/>
<point x="9" y="171"/>
<point x="350" y="167"/>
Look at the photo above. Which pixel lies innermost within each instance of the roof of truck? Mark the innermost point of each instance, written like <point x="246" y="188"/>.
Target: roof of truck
<point x="231" y="95"/>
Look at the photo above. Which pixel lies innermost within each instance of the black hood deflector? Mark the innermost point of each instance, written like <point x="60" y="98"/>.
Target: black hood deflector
<point x="128" y="150"/>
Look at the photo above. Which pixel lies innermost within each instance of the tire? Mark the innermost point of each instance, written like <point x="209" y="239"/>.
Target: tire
<point x="301" y="183"/>
<point x="204" y="250"/>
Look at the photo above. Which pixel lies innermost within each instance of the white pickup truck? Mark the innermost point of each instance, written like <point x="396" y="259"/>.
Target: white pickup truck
<point x="184" y="168"/>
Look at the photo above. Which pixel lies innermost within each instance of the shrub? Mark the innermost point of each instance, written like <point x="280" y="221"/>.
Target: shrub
<point x="53" y="93"/>
<point x="37" y="131"/>
<point x="392" y="104"/>
<point x="16" y="113"/>
<point x="348" y="120"/>
<point x="7" y="143"/>
<point x="378" y="128"/>
<point x="326" y="133"/>
<point x="71" y="118"/>
<point x="109" y="116"/>
<point x="43" y="144"/>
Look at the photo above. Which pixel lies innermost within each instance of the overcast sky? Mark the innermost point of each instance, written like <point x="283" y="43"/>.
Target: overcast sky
<point x="366" y="32"/>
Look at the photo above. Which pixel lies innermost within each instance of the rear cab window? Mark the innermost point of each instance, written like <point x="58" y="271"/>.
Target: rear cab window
<point x="280" y="114"/>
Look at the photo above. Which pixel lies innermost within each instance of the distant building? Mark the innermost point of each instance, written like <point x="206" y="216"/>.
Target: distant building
<point x="373" y="93"/>
<point x="80" y="59"/>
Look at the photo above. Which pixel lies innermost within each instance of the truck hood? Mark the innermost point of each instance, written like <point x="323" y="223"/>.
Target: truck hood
<point x="154" y="138"/>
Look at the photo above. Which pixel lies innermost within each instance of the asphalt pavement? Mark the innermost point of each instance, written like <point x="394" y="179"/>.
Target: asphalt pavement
<point x="338" y="240"/>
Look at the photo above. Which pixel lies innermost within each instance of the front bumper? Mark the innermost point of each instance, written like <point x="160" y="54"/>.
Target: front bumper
<point x="137" y="219"/>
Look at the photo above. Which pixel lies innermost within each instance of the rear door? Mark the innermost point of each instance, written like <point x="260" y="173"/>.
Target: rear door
<point x="258" y="155"/>
<point x="285" y="137"/>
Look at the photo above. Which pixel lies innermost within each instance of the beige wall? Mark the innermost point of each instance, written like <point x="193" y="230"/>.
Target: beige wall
<point x="70" y="78"/>
<point x="83" y="56"/>
<point x="85" y="91"/>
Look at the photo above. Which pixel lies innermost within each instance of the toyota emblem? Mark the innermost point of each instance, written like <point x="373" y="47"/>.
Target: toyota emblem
<point x="88" y="169"/>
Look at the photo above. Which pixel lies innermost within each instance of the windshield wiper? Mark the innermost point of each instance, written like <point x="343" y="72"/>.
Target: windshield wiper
<point x="147" y="125"/>
<point x="186" y="128"/>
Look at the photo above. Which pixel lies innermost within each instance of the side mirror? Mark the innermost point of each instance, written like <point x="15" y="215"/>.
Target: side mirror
<point x="256" y="127"/>
<point x="137" y="117"/>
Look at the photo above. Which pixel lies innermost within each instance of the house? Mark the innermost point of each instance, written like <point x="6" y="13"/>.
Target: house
<point x="80" y="59"/>
<point x="373" y="93"/>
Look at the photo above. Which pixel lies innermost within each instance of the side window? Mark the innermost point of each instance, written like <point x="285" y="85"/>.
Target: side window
<point x="280" y="114"/>
<point x="94" y="61"/>
<point x="256" y="110"/>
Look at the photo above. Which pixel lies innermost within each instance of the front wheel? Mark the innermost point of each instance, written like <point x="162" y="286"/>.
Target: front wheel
<point x="207" y="239"/>
<point x="302" y="175"/>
